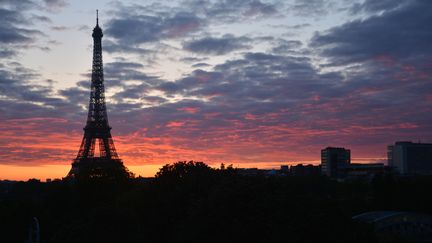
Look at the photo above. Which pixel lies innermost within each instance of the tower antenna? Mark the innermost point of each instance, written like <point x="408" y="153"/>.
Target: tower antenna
<point x="97" y="17"/>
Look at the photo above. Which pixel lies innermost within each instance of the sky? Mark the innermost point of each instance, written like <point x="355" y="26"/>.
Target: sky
<point x="253" y="83"/>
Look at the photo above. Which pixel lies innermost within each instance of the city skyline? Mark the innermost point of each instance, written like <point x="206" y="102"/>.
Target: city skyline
<point x="249" y="83"/>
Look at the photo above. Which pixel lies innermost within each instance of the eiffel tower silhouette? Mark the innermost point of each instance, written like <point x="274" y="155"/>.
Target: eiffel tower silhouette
<point x="97" y="133"/>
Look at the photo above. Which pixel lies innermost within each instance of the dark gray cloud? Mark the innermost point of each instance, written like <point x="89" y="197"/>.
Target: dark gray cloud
<point x="18" y="5"/>
<point x="169" y="87"/>
<point x="43" y="19"/>
<point x="133" y="25"/>
<point x="6" y="53"/>
<point x="261" y="90"/>
<point x="310" y="7"/>
<point x="21" y="98"/>
<point x="233" y="11"/>
<point x="287" y="46"/>
<point x="16" y="27"/>
<point x="59" y="28"/>
<point x="113" y="47"/>
<point x="217" y="46"/>
<point x="25" y="5"/>
<point x="54" y="5"/>
<point x="201" y="64"/>
<point x="118" y="77"/>
<point x="137" y="29"/>
<point x="258" y="77"/>
<point x="123" y="65"/>
<point x="154" y="99"/>
<point x="193" y="59"/>
<point x="391" y="74"/>
<point x="118" y="73"/>
<point x="11" y="32"/>
<point x="402" y="33"/>
<point x="84" y="28"/>
<point x="376" y="6"/>
<point x="286" y="26"/>
<point x="77" y="95"/>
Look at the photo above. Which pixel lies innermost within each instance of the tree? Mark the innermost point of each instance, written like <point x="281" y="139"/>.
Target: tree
<point x="183" y="169"/>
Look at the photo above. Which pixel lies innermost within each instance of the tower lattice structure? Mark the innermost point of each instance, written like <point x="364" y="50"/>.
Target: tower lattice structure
<point x="97" y="156"/>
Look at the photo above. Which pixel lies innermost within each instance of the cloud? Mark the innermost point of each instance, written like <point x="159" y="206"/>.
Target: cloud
<point x="193" y="59"/>
<point x="269" y="102"/>
<point x="120" y="72"/>
<point x="6" y="53"/>
<point x="217" y="46"/>
<point x="259" y="100"/>
<point x="77" y="96"/>
<point x="54" y="5"/>
<point x="17" y="5"/>
<point x="310" y="8"/>
<point x="135" y="25"/>
<point x="20" y="98"/>
<point x="233" y="11"/>
<point x="113" y="47"/>
<point x="16" y="32"/>
<point x="287" y="46"/>
<point x="138" y="29"/>
<point x="286" y="26"/>
<point x="43" y="19"/>
<point x="403" y="33"/>
<point x="376" y="6"/>
<point x="201" y="65"/>
<point x="60" y="28"/>
<point x="10" y="31"/>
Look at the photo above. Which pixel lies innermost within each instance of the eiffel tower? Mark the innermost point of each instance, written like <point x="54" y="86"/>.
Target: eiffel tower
<point x="97" y="156"/>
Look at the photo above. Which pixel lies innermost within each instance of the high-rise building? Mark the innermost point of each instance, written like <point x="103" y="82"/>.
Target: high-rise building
<point x="335" y="161"/>
<point x="410" y="158"/>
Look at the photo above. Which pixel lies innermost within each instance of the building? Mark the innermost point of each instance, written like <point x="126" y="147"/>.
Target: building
<point x="335" y="161"/>
<point x="356" y="170"/>
<point x="410" y="158"/>
<point x="305" y="170"/>
<point x="284" y="168"/>
<point x="260" y="172"/>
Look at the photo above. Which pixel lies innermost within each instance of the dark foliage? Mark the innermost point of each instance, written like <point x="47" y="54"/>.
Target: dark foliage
<point x="191" y="202"/>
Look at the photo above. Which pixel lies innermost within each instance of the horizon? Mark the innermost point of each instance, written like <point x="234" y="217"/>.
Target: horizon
<point x="251" y="83"/>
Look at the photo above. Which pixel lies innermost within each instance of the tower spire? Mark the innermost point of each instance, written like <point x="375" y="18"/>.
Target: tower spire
<point x="97" y="17"/>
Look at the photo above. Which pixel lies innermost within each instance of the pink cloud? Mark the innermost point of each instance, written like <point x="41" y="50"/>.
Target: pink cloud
<point x="190" y="110"/>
